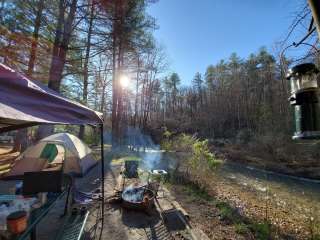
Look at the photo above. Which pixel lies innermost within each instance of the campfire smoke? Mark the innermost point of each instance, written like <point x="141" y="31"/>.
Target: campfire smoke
<point x="149" y="152"/>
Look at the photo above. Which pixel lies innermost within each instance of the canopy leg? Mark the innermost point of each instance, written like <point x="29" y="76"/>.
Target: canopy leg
<point x="102" y="175"/>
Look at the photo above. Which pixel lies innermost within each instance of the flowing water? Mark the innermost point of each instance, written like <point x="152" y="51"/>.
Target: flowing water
<point x="286" y="187"/>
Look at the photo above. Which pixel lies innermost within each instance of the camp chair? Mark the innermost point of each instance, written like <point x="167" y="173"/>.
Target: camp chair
<point x="131" y="168"/>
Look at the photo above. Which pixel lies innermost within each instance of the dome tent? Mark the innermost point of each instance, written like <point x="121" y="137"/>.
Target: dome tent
<point x="59" y="148"/>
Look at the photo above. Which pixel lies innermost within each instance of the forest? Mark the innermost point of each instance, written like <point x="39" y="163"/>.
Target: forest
<point x="104" y="54"/>
<point x="227" y="130"/>
<point x="82" y="48"/>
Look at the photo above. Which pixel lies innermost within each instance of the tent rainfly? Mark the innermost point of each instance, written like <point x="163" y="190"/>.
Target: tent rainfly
<point x="59" y="148"/>
<point x="25" y="103"/>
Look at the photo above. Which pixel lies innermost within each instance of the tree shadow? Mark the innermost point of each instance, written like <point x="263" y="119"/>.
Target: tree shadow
<point x="173" y="220"/>
<point x="140" y="219"/>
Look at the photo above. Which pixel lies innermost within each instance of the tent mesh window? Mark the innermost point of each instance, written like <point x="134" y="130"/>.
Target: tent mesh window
<point x="49" y="152"/>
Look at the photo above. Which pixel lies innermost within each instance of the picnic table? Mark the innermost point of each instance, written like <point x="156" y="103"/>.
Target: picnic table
<point x="38" y="214"/>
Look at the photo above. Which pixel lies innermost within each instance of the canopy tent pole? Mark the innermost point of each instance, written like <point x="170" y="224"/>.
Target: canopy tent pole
<point x="102" y="174"/>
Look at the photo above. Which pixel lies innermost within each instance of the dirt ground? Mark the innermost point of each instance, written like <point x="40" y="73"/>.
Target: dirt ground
<point x="205" y="216"/>
<point x="125" y="224"/>
<point x="119" y="223"/>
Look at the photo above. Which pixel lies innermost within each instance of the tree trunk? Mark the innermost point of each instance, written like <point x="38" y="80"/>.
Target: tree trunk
<point x="59" y="53"/>
<point x="136" y="97"/>
<point x="114" y="93"/>
<point x="21" y="138"/>
<point x="85" y="67"/>
<point x="34" y="44"/>
<point x="61" y="45"/>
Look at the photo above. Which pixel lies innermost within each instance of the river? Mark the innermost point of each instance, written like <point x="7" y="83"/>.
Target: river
<point x="284" y="186"/>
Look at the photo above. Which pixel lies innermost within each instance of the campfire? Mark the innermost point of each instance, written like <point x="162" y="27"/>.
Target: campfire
<point x="138" y="198"/>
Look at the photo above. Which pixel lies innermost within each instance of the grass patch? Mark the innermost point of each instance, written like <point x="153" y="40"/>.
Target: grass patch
<point x="228" y="213"/>
<point x="126" y="158"/>
<point x="241" y="228"/>
<point x="197" y="193"/>
<point x="315" y="237"/>
<point x="262" y="231"/>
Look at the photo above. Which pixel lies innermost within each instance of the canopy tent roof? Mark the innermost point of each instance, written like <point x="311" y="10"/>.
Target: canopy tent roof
<point x="26" y="103"/>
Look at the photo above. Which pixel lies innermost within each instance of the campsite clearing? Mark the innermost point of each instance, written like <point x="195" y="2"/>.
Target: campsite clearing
<point x="119" y="223"/>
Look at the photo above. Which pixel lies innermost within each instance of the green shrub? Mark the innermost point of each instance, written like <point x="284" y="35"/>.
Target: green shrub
<point x="197" y="193"/>
<point x="316" y="237"/>
<point x="241" y="228"/>
<point x="197" y="161"/>
<point x="228" y="213"/>
<point x="202" y="159"/>
<point x="166" y="143"/>
<point x="184" y="142"/>
<point x="262" y="231"/>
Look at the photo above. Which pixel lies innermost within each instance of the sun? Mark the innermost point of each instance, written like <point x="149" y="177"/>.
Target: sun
<point x="124" y="81"/>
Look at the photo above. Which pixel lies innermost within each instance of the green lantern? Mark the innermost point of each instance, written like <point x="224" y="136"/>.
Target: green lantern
<point x="305" y="99"/>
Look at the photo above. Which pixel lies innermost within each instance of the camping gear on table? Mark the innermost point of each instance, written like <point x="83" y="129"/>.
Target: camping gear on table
<point x="41" y="182"/>
<point x="12" y="203"/>
<point x="42" y="198"/>
<point x="37" y="214"/>
<point x="17" y="222"/>
<point x="55" y="150"/>
<point x="18" y="188"/>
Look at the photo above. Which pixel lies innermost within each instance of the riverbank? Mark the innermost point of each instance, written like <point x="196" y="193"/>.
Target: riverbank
<point x="289" y="204"/>
<point x="298" y="160"/>
<point x="256" y="209"/>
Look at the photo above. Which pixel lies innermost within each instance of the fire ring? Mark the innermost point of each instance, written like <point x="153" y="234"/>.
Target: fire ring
<point x="138" y="198"/>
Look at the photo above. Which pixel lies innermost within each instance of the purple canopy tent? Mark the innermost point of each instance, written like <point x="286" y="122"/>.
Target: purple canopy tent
<point x="25" y="103"/>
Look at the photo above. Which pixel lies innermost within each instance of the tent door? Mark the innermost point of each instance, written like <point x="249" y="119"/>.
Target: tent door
<point x="49" y="152"/>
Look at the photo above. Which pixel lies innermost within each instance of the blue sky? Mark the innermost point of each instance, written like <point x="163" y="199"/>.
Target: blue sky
<point x="197" y="33"/>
